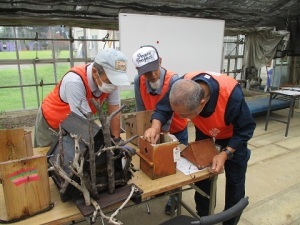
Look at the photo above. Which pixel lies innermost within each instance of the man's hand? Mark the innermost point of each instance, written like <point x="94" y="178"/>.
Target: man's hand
<point x="218" y="163"/>
<point x="152" y="134"/>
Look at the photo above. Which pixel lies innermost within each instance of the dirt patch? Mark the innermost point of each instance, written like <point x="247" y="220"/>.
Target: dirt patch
<point x="26" y="118"/>
<point x="19" y="119"/>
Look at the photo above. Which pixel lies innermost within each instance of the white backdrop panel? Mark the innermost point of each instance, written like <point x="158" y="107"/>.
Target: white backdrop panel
<point x="184" y="44"/>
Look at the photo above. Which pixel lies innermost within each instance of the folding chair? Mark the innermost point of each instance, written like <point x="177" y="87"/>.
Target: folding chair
<point x="211" y="219"/>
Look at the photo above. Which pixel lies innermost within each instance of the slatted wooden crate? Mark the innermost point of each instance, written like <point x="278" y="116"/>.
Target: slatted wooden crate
<point x="136" y="124"/>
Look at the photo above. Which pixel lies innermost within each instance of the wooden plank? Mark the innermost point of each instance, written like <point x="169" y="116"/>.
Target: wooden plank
<point x="61" y="213"/>
<point x="12" y="144"/>
<point x="28" y="143"/>
<point x="25" y="186"/>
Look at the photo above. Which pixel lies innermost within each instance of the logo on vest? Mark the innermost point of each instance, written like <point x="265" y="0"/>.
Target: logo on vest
<point x="214" y="132"/>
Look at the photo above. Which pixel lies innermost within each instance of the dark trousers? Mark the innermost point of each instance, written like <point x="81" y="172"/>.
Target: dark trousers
<point x="235" y="190"/>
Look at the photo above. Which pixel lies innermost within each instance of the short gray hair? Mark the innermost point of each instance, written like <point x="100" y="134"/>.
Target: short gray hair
<point x="187" y="93"/>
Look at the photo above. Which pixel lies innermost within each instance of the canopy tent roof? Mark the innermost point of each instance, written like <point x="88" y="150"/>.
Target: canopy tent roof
<point x="246" y="14"/>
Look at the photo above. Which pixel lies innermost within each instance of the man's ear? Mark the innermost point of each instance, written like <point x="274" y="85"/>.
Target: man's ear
<point x="202" y="102"/>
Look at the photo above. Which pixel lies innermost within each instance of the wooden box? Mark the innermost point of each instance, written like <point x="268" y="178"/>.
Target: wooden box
<point x="136" y="124"/>
<point x="15" y="144"/>
<point x="25" y="188"/>
<point x="158" y="160"/>
<point x="200" y="153"/>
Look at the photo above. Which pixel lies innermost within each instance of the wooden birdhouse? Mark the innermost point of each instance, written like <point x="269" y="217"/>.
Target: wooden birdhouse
<point x="157" y="160"/>
<point x="200" y="153"/>
<point x="25" y="185"/>
<point x="136" y="124"/>
<point x="24" y="177"/>
<point x="15" y="144"/>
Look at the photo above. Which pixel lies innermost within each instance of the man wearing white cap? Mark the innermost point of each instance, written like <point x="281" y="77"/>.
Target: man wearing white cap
<point x="151" y="84"/>
<point x="98" y="80"/>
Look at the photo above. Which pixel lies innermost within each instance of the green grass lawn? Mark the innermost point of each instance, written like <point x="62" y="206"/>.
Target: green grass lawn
<point x="11" y="97"/>
<point x="42" y="54"/>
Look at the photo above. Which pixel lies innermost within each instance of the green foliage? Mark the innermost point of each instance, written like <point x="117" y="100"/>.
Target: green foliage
<point x="127" y="94"/>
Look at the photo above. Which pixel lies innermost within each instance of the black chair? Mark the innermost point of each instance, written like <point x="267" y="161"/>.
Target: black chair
<point x="211" y="219"/>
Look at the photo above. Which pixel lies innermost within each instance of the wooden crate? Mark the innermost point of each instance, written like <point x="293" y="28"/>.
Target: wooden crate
<point x="15" y="144"/>
<point x="158" y="160"/>
<point x="136" y="124"/>
<point x="25" y="185"/>
<point x="200" y="153"/>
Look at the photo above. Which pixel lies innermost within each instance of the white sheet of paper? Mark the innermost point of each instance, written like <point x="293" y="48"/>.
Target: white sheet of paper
<point x="186" y="166"/>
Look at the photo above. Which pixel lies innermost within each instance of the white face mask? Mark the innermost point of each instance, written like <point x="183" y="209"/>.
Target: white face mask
<point x="155" y="85"/>
<point x="106" y="88"/>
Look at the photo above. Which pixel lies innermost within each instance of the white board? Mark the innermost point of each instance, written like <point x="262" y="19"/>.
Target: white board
<point x="184" y="44"/>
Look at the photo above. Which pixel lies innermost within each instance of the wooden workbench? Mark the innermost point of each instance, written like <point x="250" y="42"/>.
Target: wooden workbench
<point x="68" y="211"/>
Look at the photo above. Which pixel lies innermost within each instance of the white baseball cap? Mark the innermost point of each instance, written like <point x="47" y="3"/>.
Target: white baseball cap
<point x="114" y="65"/>
<point x="146" y="59"/>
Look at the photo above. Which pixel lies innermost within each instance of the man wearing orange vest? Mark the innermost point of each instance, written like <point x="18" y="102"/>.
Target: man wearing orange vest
<point x="98" y="80"/>
<point x="150" y="85"/>
<point x="216" y="105"/>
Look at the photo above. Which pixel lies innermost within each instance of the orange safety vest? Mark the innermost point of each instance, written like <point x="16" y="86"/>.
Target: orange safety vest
<point x="214" y="126"/>
<point x="55" y="110"/>
<point x="150" y="101"/>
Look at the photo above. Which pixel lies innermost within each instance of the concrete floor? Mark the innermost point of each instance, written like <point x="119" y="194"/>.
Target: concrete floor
<point x="273" y="180"/>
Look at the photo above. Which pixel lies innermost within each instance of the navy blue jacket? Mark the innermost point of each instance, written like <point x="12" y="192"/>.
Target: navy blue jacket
<point x="237" y="113"/>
